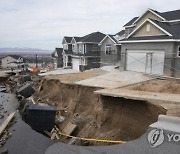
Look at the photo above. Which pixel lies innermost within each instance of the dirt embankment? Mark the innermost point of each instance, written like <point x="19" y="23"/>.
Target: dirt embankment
<point x="99" y="117"/>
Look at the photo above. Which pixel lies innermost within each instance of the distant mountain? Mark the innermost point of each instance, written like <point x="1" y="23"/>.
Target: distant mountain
<point x="23" y="51"/>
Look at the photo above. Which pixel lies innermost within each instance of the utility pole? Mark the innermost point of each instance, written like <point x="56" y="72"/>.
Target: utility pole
<point x="36" y="60"/>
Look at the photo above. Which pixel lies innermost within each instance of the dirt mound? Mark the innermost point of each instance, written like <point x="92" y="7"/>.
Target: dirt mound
<point x="99" y="117"/>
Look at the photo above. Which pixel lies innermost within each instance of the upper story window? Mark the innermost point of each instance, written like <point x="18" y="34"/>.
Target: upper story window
<point x="108" y="49"/>
<point x="65" y="46"/>
<point x="148" y="26"/>
<point x="73" y="47"/>
<point x="178" y="52"/>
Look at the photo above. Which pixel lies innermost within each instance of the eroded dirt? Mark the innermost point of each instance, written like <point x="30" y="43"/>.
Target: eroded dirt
<point x="96" y="116"/>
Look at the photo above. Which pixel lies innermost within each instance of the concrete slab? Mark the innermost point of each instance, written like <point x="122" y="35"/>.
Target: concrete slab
<point x="140" y="95"/>
<point x="59" y="72"/>
<point x="115" y="80"/>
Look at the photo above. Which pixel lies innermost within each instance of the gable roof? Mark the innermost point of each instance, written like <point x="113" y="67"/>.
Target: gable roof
<point x="130" y="23"/>
<point x="59" y="51"/>
<point x="14" y="56"/>
<point x="157" y="24"/>
<point x="111" y="37"/>
<point x="77" y="39"/>
<point x="172" y="29"/>
<point x="68" y="39"/>
<point x="120" y="33"/>
<point x="95" y="37"/>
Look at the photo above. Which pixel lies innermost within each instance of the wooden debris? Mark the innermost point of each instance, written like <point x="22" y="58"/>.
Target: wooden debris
<point x="69" y="128"/>
<point x="6" y="122"/>
<point x="53" y="136"/>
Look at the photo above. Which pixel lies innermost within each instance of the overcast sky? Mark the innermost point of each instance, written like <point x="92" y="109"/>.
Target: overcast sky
<point x="43" y="23"/>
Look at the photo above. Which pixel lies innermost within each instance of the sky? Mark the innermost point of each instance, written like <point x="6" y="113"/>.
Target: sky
<point x="43" y="23"/>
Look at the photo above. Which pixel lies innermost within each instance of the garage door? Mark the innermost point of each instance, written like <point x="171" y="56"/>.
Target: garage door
<point x="75" y="64"/>
<point x="146" y="61"/>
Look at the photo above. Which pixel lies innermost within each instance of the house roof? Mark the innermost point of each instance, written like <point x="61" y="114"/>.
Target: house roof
<point x="77" y="39"/>
<point x="171" y="15"/>
<point x="95" y="37"/>
<point x="120" y="33"/>
<point x="14" y="56"/>
<point x="68" y="39"/>
<point x="131" y="22"/>
<point x="59" y="51"/>
<point x="172" y="29"/>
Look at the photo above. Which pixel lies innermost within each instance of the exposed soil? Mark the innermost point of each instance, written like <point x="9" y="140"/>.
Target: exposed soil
<point x="160" y="86"/>
<point x="96" y="116"/>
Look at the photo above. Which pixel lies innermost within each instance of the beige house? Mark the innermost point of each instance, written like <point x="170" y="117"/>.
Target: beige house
<point x="12" y="61"/>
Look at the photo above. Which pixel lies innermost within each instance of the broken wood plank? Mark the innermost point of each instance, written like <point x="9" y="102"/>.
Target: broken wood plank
<point x="53" y="136"/>
<point x="6" y="122"/>
<point x="69" y="128"/>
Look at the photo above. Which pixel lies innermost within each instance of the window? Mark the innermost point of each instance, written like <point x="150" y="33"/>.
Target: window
<point x="65" y="46"/>
<point x="148" y="26"/>
<point x="178" y="52"/>
<point x="108" y="49"/>
<point x="83" y="61"/>
<point x="73" y="48"/>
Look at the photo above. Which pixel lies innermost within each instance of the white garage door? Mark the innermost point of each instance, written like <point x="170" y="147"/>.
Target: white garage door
<point x="75" y="64"/>
<point x="146" y="61"/>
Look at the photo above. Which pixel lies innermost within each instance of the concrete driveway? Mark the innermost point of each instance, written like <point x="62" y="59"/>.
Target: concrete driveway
<point x="115" y="79"/>
<point x="59" y="72"/>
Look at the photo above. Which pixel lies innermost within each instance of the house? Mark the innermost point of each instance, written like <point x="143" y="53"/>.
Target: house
<point x="152" y="43"/>
<point x="13" y="61"/>
<point x="57" y="57"/>
<point x="110" y="49"/>
<point x="67" y="51"/>
<point x="83" y="53"/>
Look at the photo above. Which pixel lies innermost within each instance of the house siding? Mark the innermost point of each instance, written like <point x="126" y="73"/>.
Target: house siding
<point x="152" y="32"/>
<point x="7" y="60"/>
<point x="167" y="47"/>
<point x="112" y="59"/>
<point x="91" y="63"/>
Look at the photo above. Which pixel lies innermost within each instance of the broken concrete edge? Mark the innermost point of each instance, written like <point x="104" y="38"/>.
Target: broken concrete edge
<point x="169" y="123"/>
<point x="138" y="95"/>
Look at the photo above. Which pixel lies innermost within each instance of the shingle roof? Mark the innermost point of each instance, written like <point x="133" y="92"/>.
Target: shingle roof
<point x="95" y="37"/>
<point x="131" y="22"/>
<point x="120" y="33"/>
<point x="59" y="51"/>
<point x="171" y="15"/>
<point x="68" y="39"/>
<point x="77" y="39"/>
<point x="173" y="29"/>
<point x="15" y="56"/>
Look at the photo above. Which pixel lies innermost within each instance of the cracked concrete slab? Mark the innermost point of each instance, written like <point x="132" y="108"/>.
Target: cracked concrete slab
<point x="115" y="80"/>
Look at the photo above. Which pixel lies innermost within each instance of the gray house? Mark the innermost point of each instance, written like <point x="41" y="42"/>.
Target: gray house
<point x="57" y="57"/>
<point x="152" y="43"/>
<point x="84" y="52"/>
<point x="110" y="49"/>
<point x="67" y="51"/>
